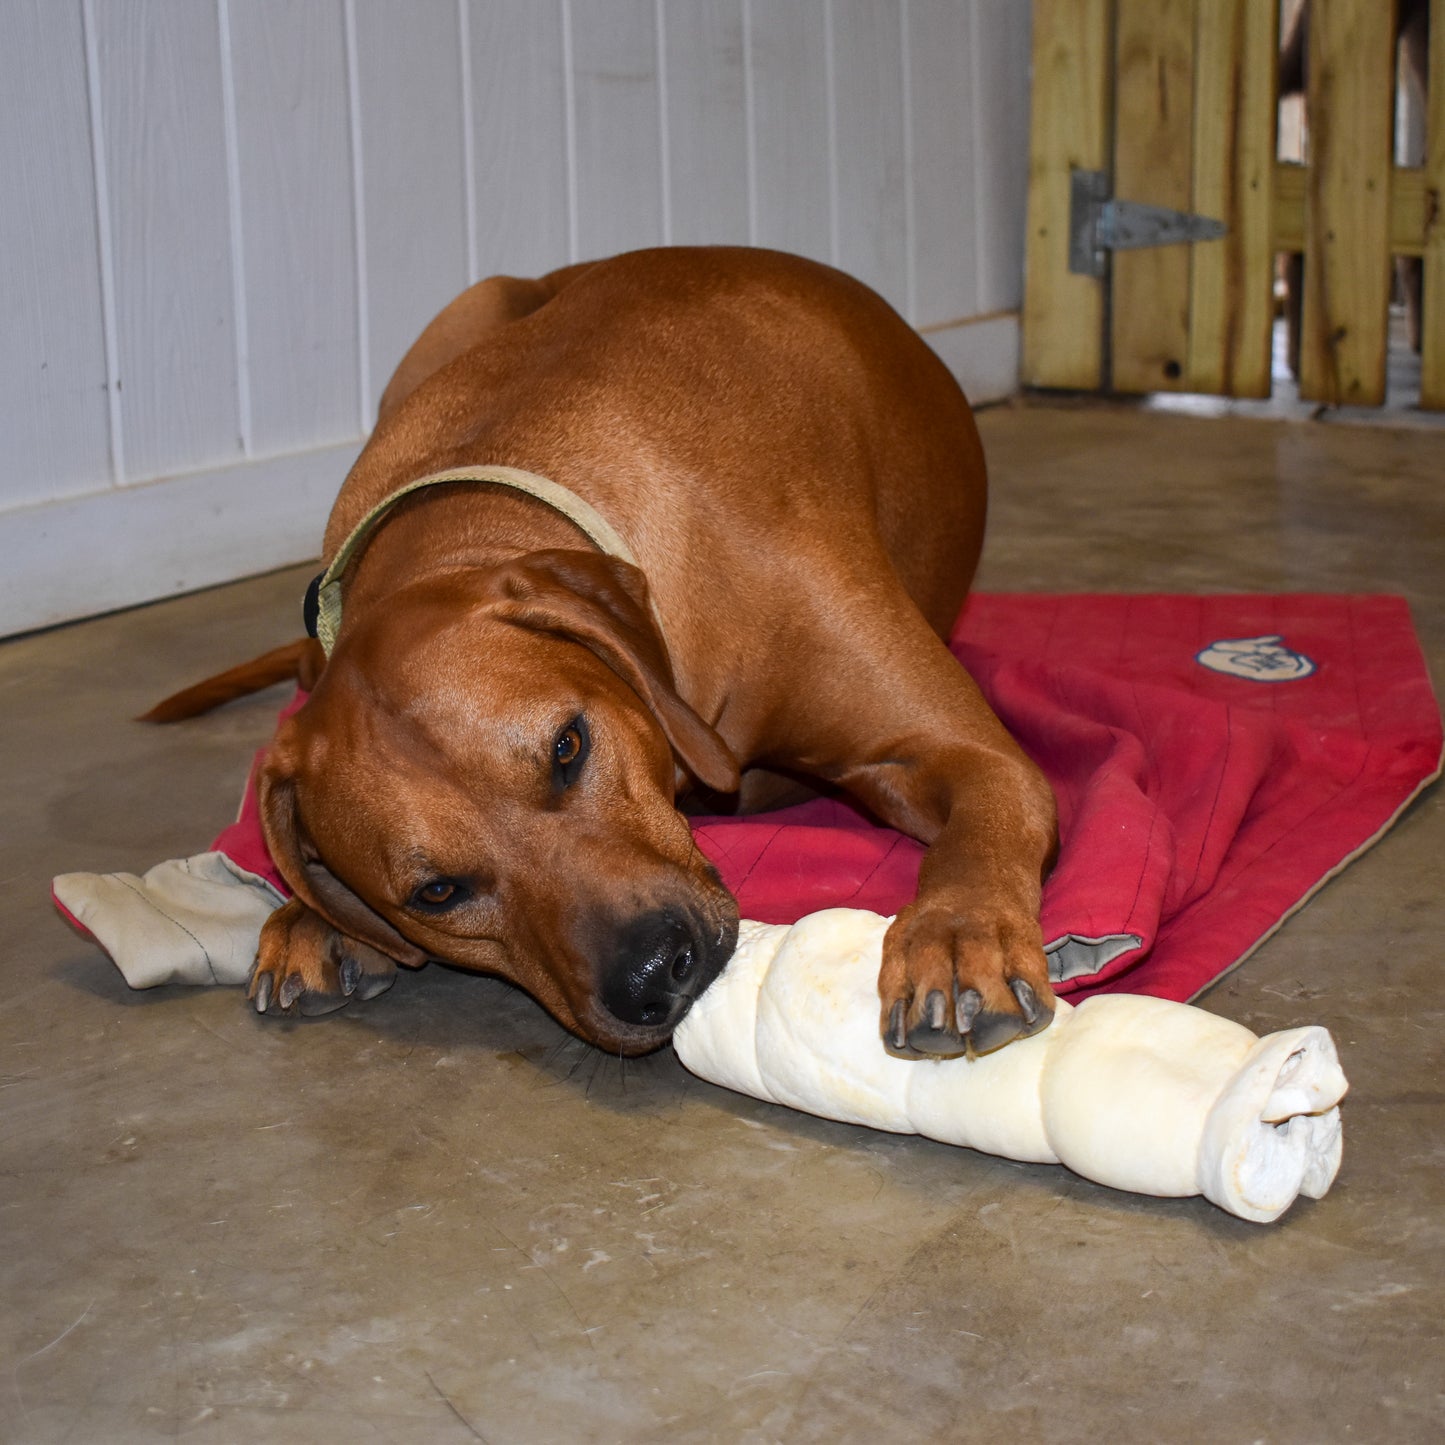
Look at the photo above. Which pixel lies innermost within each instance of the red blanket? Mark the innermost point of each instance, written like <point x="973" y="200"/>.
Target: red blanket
<point x="1216" y="760"/>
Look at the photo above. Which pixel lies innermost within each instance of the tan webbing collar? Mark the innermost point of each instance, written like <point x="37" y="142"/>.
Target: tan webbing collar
<point x="581" y="514"/>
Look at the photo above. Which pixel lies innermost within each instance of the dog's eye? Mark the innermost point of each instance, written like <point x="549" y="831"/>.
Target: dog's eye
<point x="439" y="894"/>
<point x="569" y="747"/>
<point x="569" y="752"/>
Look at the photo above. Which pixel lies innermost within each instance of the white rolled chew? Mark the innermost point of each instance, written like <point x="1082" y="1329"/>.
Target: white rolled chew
<point x="1134" y="1092"/>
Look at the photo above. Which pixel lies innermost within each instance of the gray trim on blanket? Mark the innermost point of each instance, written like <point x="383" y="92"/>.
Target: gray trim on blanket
<point x="1074" y="956"/>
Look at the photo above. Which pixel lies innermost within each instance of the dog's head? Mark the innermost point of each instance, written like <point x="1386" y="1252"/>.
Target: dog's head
<point x="485" y="774"/>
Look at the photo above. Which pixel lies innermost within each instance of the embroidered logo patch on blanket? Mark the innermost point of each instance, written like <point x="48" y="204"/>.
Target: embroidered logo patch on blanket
<point x="1260" y="659"/>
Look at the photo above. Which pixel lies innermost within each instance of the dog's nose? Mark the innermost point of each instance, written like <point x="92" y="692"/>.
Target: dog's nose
<point x="658" y="969"/>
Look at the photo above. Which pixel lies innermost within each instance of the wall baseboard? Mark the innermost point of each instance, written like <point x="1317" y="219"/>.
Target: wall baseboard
<point x="983" y="354"/>
<point x="85" y="555"/>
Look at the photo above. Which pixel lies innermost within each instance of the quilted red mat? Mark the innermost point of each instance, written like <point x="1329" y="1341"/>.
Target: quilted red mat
<point x="1216" y="760"/>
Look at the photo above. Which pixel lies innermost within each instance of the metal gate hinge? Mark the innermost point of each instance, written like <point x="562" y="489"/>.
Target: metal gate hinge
<point x="1098" y="223"/>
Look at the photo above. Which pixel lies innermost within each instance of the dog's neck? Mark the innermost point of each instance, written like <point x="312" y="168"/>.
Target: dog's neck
<point x="324" y="597"/>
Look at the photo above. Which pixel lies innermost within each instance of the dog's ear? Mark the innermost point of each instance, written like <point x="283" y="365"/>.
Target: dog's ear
<point x="601" y="602"/>
<point x="295" y="855"/>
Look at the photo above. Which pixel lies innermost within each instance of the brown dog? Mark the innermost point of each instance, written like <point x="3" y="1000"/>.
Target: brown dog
<point x="488" y="768"/>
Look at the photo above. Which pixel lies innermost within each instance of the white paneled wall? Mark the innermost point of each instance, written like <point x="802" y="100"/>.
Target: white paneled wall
<point x="223" y="221"/>
<point x="293" y="262"/>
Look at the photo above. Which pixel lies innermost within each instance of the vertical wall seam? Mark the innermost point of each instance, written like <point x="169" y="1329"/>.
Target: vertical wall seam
<point x="104" y="244"/>
<point x="569" y="129"/>
<point x="469" y="140"/>
<point x="750" y="122"/>
<point x="664" y="146"/>
<point x="910" y="228"/>
<point x="981" y="301"/>
<point x="830" y="88"/>
<point x="241" y="327"/>
<point x="358" y="203"/>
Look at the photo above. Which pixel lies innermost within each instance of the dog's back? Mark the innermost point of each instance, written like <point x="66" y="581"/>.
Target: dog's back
<point x="700" y="398"/>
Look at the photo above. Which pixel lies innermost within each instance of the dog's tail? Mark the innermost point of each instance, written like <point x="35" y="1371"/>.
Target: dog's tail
<point x="300" y="661"/>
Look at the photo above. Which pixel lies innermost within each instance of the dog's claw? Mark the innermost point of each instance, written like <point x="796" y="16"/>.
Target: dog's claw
<point x="970" y="1001"/>
<point x="934" y="1035"/>
<point x="262" y="994"/>
<point x="350" y="975"/>
<point x="292" y="987"/>
<point x="898" y="1027"/>
<point x="936" y="1007"/>
<point x="1028" y="1000"/>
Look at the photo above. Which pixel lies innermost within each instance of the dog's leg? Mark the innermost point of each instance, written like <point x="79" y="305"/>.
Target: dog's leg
<point x="913" y="739"/>
<point x="304" y="963"/>
<point x="963" y="965"/>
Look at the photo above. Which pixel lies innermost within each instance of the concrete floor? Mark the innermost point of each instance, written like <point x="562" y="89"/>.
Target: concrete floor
<point x="434" y="1218"/>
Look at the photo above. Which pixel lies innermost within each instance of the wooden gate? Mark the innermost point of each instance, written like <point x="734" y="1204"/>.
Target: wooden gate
<point x="1174" y="104"/>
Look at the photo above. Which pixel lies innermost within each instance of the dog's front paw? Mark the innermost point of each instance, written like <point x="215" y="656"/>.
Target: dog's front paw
<point x="303" y="963"/>
<point x="955" y="982"/>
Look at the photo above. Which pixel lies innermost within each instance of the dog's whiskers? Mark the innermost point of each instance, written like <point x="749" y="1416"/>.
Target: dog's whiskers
<point x="554" y="1059"/>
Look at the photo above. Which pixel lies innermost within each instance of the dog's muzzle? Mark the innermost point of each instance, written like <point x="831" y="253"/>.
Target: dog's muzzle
<point x="660" y="964"/>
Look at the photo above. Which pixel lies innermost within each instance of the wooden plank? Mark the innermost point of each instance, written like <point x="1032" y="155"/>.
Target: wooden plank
<point x="1064" y="313"/>
<point x="1411" y="208"/>
<point x="164" y="151"/>
<point x="1432" y="322"/>
<point x="1231" y="282"/>
<point x="408" y="107"/>
<point x="519" y="139"/>
<point x="787" y="67"/>
<point x="294" y="215"/>
<point x="1413" y="202"/>
<point x="616" y="126"/>
<point x="1347" y="216"/>
<point x="1153" y="163"/>
<point x="870" y="175"/>
<point x="54" y="415"/>
<point x="707" y="133"/>
<point x="1291" y="182"/>
<point x="944" y="145"/>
